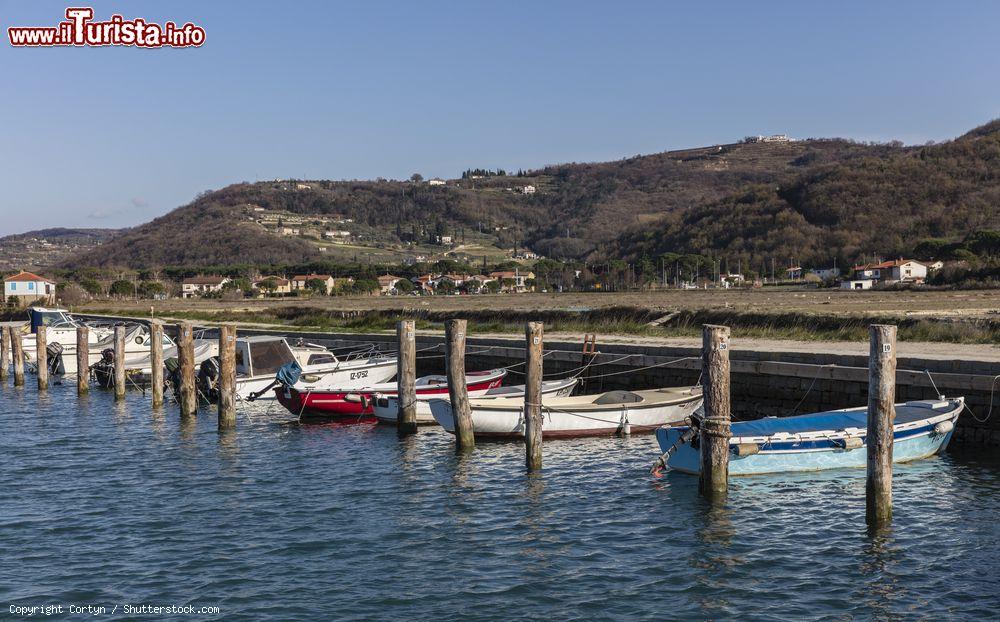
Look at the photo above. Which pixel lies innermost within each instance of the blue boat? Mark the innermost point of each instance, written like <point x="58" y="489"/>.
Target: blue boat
<point x="826" y="440"/>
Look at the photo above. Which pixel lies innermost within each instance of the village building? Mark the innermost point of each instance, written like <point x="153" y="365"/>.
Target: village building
<point x="825" y="274"/>
<point x="528" y="190"/>
<point x="857" y="283"/>
<point x="299" y="282"/>
<point x="25" y="288"/>
<point x="281" y="285"/>
<point x="793" y="273"/>
<point x="387" y="283"/>
<point x="425" y="282"/>
<point x="200" y="285"/>
<point x="895" y="271"/>
<point x="436" y="182"/>
<point x="519" y="278"/>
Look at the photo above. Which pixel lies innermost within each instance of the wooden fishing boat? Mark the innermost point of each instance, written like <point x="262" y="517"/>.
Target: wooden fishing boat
<point x="386" y="407"/>
<point x="825" y="440"/>
<point x="583" y="415"/>
<point x="323" y="401"/>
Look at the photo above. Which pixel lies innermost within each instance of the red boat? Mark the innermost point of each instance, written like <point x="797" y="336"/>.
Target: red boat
<point x="333" y="403"/>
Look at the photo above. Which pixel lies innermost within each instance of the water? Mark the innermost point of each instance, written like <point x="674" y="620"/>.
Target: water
<point x="107" y="505"/>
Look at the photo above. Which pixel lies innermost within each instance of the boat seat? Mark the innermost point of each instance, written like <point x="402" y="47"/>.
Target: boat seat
<point x="619" y="397"/>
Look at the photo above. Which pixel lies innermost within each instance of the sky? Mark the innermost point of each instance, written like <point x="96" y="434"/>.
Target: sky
<point x="112" y="137"/>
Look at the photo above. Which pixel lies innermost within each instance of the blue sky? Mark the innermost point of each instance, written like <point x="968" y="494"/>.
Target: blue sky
<point x="116" y="136"/>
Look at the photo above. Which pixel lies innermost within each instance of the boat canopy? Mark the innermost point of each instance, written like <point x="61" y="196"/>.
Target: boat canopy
<point x="262" y="356"/>
<point x="835" y="419"/>
<point x="41" y="316"/>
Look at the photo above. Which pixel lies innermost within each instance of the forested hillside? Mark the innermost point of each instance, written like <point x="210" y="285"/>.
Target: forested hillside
<point x="804" y="201"/>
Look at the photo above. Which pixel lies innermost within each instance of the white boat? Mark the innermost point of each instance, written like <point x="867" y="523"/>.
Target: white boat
<point x="583" y="415"/>
<point x="259" y="358"/>
<point x="386" y="407"/>
<point x="818" y="441"/>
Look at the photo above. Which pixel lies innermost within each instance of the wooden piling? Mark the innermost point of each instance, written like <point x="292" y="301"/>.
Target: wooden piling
<point x="156" y="362"/>
<point x="5" y="352"/>
<point x="82" y="360"/>
<point x="533" y="335"/>
<point x="881" y="413"/>
<point x="17" y="349"/>
<point x="227" y="377"/>
<point x="715" y="431"/>
<point x="119" y="362"/>
<point x="406" y="378"/>
<point x="42" y="358"/>
<point x="185" y="358"/>
<point x="454" y="331"/>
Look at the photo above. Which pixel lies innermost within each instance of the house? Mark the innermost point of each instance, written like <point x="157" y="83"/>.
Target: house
<point x="411" y="260"/>
<point x="299" y="282"/>
<point x="520" y="280"/>
<point x="455" y="279"/>
<point x="281" y="286"/>
<point x="337" y="234"/>
<point x="528" y="190"/>
<point x="793" y="273"/>
<point x="933" y="265"/>
<point x="387" y="283"/>
<point x="825" y="274"/>
<point x="436" y="182"/>
<point x="425" y="282"/>
<point x="201" y="285"/>
<point x="288" y="230"/>
<point x="857" y="284"/>
<point x="25" y="288"/>
<point x="895" y="271"/>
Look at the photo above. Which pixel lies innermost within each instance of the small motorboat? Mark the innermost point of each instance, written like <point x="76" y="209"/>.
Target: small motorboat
<point x="331" y="400"/>
<point x="825" y="440"/>
<point x="583" y="415"/>
<point x="386" y="407"/>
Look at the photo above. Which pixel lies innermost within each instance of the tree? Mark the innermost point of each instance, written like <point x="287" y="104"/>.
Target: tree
<point x="150" y="289"/>
<point x="121" y="289"/>
<point x="508" y="284"/>
<point x="268" y="285"/>
<point x="317" y="286"/>
<point x="71" y="294"/>
<point x="403" y="286"/>
<point x="445" y="286"/>
<point x="492" y="286"/>
<point x="416" y="178"/>
<point x="91" y="286"/>
<point x="365" y="286"/>
<point x="472" y="286"/>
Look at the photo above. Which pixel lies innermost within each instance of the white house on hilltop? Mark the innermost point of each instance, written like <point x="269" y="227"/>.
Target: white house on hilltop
<point x="26" y="288"/>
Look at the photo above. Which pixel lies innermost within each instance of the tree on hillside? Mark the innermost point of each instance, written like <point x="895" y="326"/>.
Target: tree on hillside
<point x="403" y="286"/>
<point x="268" y="285"/>
<point x="416" y="178"/>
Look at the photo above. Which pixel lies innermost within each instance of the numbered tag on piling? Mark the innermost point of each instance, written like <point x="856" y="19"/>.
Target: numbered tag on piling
<point x="723" y="345"/>
<point x="536" y="340"/>
<point x="886" y="348"/>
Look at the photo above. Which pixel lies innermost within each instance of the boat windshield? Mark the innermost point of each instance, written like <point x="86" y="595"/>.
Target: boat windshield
<point x="268" y="356"/>
<point x="49" y="318"/>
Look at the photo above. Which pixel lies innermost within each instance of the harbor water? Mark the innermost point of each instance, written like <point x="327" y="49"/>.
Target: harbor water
<point x="120" y="506"/>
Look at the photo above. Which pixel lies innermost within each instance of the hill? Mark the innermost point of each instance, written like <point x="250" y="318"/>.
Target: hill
<point x="803" y="200"/>
<point x="48" y="247"/>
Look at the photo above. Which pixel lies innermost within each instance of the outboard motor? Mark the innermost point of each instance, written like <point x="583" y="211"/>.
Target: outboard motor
<point x="288" y="374"/>
<point x="208" y="379"/>
<point x="104" y="369"/>
<point x="55" y="354"/>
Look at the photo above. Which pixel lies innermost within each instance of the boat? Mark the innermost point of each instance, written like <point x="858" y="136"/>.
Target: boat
<point x="60" y="328"/>
<point x="385" y="407"/>
<point x="824" y="440"/>
<point x="258" y="359"/>
<point x="583" y="415"/>
<point x="331" y="400"/>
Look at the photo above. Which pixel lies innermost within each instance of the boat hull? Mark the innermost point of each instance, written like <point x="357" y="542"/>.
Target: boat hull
<point x="910" y="442"/>
<point x="386" y="407"/>
<point x="346" y="378"/>
<point x="348" y="402"/>
<point x="508" y="423"/>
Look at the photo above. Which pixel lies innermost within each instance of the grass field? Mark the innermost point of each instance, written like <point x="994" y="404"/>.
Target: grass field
<point x="802" y="314"/>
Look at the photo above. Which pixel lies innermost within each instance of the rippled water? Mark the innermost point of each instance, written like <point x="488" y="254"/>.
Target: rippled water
<point x="109" y="504"/>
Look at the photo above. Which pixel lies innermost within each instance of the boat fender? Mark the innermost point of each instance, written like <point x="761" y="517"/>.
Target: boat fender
<point x="944" y="427"/>
<point x="849" y="442"/>
<point x="742" y="450"/>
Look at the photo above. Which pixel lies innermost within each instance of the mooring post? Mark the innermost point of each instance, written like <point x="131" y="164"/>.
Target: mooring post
<point x="715" y="431"/>
<point x="185" y="358"/>
<point x="5" y="352"/>
<point x="42" y="359"/>
<point x="119" y="362"/>
<point x="533" y="334"/>
<point x="406" y="378"/>
<point x="881" y="413"/>
<point x="17" y="347"/>
<point x="227" y="377"/>
<point x="156" y="362"/>
<point x="82" y="360"/>
<point x="454" y="331"/>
